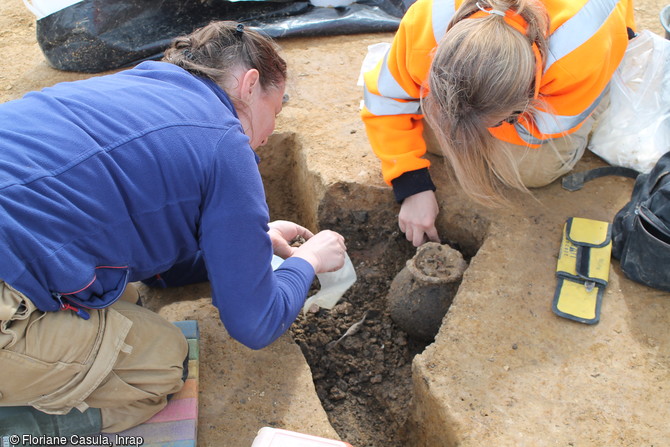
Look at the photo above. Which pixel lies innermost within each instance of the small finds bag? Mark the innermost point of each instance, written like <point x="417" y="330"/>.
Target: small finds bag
<point x="634" y="130"/>
<point x="641" y="229"/>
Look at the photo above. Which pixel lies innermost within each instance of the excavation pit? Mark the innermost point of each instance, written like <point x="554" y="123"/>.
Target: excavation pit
<point x="363" y="376"/>
<point x="503" y="370"/>
<point x="359" y="356"/>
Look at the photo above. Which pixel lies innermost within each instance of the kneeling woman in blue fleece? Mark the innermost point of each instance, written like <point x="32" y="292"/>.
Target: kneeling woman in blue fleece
<point x="119" y="178"/>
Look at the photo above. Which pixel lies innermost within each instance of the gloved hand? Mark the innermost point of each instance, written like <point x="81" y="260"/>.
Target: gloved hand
<point x="282" y="232"/>
<point x="325" y="251"/>
<point x="417" y="218"/>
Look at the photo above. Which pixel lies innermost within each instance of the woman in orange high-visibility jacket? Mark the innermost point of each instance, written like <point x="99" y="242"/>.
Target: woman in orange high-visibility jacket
<point x="508" y="87"/>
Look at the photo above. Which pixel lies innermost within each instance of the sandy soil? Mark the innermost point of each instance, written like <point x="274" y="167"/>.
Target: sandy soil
<point x="23" y="68"/>
<point x="373" y="367"/>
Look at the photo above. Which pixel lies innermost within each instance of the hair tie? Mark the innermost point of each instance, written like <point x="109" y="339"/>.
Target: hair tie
<point x="491" y="11"/>
<point x="517" y="22"/>
<point x="239" y="30"/>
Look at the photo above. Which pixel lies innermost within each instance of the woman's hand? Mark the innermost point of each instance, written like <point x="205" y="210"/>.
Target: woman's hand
<point x="282" y="232"/>
<point x="417" y="218"/>
<point x="325" y="251"/>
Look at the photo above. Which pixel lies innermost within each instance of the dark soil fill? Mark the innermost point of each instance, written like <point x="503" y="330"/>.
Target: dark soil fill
<point x="363" y="378"/>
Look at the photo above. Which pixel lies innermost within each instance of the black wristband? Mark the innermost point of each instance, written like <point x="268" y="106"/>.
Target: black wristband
<point x="412" y="182"/>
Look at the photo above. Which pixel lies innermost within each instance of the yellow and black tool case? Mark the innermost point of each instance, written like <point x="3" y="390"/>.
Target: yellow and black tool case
<point x="583" y="269"/>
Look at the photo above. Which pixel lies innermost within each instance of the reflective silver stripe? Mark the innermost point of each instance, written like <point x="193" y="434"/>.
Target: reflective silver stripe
<point x="525" y="136"/>
<point x="555" y="124"/>
<point x="387" y="85"/>
<point x="443" y="11"/>
<point x="381" y="106"/>
<point x="389" y="88"/>
<point x="579" y="29"/>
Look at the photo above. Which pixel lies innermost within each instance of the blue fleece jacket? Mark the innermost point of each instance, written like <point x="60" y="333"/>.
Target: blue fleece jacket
<point x="119" y="177"/>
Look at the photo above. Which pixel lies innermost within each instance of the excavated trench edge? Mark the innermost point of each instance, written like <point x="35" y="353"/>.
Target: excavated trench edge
<point x="365" y="215"/>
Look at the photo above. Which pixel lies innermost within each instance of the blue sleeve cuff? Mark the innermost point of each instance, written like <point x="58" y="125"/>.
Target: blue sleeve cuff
<point x="412" y="182"/>
<point x="301" y="265"/>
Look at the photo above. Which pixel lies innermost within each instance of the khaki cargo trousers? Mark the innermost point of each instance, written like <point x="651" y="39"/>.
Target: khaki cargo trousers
<point x="124" y="360"/>
<point x="541" y="166"/>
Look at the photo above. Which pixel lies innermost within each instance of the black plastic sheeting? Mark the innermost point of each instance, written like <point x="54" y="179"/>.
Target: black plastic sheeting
<point x="99" y="35"/>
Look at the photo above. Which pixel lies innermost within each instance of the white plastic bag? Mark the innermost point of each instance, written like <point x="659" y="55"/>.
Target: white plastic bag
<point x="333" y="284"/>
<point x="331" y="3"/>
<point x="43" y="8"/>
<point x="634" y="131"/>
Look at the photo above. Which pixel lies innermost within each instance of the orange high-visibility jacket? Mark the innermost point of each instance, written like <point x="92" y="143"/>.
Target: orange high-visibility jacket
<point x="587" y="41"/>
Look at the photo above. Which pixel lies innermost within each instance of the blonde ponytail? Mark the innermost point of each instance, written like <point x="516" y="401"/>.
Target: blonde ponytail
<point x="483" y="72"/>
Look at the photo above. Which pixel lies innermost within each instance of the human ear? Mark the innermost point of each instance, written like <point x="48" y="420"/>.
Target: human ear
<point x="249" y="82"/>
